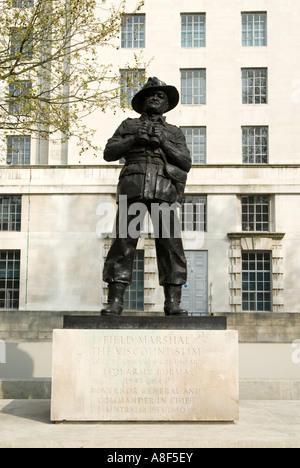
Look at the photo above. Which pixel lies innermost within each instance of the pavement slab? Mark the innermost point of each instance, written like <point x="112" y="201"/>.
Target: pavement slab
<point x="263" y="424"/>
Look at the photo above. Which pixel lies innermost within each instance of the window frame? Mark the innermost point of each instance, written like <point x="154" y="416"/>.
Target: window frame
<point x="247" y="31"/>
<point x="16" y="103"/>
<point x="256" y="96"/>
<point x="258" y="210"/>
<point x="193" y="83"/>
<point x="195" y="219"/>
<point x="126" y="92"/>
<point x="18" y="35"/>
<point x="201" y="156"/>
<point x="136" y="42"/>
<point x="10" y="283"/>
<point x="13" y="213"/>
<point x="193" y="31"/>
<point x="18" y="148"/>
<point x="251" y="276"/>
<point x="249" y="151"/>
<point x="22" y="4"/>
<point x="135" y="292"/>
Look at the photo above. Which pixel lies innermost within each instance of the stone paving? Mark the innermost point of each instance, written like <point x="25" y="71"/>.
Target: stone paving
<point x="263" y="424"/>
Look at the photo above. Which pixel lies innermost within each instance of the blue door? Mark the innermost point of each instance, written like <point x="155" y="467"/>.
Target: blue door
<point x="195" y="292"/>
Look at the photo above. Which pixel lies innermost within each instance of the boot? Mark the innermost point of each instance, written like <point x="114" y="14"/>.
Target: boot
<point x="173" y="300"/>
<point x="116" y="293"/>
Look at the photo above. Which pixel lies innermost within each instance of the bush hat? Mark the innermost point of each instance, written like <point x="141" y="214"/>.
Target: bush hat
<point x="155" y="84"/>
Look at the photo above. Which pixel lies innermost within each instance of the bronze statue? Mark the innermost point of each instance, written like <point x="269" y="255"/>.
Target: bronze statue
<point x="157" y="161"/>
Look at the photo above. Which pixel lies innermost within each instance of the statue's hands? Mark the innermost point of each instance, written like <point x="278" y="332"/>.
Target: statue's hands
<point x="149" y="134"/>
<point x="159" y="133"/>
<point x="143" y="132"/>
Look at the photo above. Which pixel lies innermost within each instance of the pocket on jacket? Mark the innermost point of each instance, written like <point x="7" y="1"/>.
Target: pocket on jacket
<point x="165" y="190"/>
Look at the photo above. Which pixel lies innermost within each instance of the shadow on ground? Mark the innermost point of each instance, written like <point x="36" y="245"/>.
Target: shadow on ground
<point x="34" y="410"/>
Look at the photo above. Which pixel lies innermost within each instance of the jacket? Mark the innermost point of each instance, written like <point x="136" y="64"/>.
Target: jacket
<point x="144" y="176"/>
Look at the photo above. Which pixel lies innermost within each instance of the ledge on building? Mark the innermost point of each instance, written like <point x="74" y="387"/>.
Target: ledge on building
<point x="25" y="389"/>
<point x="264" y="327"/>
<point x="269" y="235"/>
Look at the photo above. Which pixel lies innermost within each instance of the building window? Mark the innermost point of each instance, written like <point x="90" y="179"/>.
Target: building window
<point x="21" y="42"/>
<point x="18" y="150"/>
<point x="193" y="86"/>
<point x="22" y="3"/>
<point x="193" y="213"/>
<point x="256" y="213"/>
<point x="133" y="31"/>
<point x="254" y="84"/>
<point x="9" y="279"/>
<point x="196" y="142"/>
<point x="193" y="28"/>
<point x="255" y="145"/>
<point x="19" y="93"/>
<point x="254" y="29"/>
<point x="256" y="281"/>
<point x="10" y="213"/>
<point x="134" y="296"/>
<point x="131" y="83"/>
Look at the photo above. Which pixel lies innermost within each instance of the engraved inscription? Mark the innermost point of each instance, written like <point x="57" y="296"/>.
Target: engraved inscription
<point x="141" y="370"/>
<point x="145" y="375"/>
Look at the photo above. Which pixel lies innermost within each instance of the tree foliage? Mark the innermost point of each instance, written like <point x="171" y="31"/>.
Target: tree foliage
<point x="50" y="73"/>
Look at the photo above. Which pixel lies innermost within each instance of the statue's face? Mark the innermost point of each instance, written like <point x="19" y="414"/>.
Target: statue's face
<point x="156" y="102"/>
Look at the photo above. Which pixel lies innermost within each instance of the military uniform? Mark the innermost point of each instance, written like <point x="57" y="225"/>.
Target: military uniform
<point x="143" y="176"/>
<point x="157" y="161"/>
<point x="144" y="179"/>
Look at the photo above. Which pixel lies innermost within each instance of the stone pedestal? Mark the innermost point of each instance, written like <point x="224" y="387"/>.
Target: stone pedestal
<point x="145" y="375"/>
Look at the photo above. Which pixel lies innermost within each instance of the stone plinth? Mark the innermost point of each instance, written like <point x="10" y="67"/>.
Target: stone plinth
<point x="145" y="375"/>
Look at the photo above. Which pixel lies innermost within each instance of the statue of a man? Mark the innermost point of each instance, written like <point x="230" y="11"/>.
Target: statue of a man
<point x="157" y="161"/>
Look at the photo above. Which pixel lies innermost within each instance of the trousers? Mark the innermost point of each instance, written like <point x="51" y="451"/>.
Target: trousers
<point x="171" y="260"/>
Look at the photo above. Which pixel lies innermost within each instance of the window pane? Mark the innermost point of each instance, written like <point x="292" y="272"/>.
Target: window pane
<point x="193" y="30"/>
<point x="10" y="213"/>
<point x="19" y="92"/>
<point x="256" y="292"/>
<point x="9" y="274"/>
<point x="254" y="86"/>
<point x="193" y="213"/>
<point x="193" y="87"/>
<point x="254" y="29"/>
<point x="21" y="42"/>
<point x="18" y="150"/>
<point x="134" y="296"/>
<point x="133" y="31"/>
<point x="252" y="207"/>
<point x="131" y="83"/>
<point x="22" y="3"/>
<point x="255" y="145"/>
<point x="196" y="142"/>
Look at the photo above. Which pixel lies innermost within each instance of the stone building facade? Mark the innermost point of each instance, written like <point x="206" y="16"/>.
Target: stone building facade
<point x="235" y="65"/>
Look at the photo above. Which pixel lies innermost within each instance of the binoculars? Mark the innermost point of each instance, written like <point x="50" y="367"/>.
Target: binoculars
<point x="147" y="139"/>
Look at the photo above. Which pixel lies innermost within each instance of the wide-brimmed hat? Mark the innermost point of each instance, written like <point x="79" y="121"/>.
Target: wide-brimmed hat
<point x="155" y="84"/>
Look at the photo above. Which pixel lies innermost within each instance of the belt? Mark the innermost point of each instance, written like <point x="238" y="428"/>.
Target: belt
<point x="144" y="160"/>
